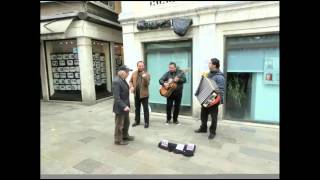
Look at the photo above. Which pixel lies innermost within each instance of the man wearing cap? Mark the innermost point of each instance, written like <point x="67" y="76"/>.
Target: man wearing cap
<point x="139" y="85"/>
<point x="121" y="106"/>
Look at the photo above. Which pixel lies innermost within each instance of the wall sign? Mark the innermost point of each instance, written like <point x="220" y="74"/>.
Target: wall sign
<point x="155" y="3"/>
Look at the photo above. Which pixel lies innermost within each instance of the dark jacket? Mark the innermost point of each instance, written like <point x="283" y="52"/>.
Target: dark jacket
<point x="218" y="77"/>
<point x="180" y="83"/>
<point x="120" y="90"/>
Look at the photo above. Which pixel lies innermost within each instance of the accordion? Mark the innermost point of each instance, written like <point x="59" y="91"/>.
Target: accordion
<point x="208" y="92"/>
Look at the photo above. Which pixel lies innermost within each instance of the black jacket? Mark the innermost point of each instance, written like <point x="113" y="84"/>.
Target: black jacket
<point x="121" y="95"/>
<point x="180" y="83"/>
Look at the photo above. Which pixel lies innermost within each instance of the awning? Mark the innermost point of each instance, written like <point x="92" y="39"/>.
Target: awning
<point x="55" y="26"/>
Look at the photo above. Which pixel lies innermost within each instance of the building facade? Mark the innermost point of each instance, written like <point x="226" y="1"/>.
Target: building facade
<point x="80" y="49"/>
<point x="243" y="35"/>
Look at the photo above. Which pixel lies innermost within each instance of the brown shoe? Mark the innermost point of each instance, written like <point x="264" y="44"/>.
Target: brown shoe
<point x="121" y="143"/>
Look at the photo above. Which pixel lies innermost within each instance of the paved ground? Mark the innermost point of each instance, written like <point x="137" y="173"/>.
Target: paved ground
<point x="78" y="139"/>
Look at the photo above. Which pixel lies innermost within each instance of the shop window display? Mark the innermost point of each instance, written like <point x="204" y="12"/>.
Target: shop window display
<point x="63" y="70"/>
<point x="101" y="68"/>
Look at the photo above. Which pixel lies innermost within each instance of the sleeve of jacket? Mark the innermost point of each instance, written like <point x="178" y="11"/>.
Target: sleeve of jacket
<point x="163" y="78"/>
<point x="220" y="82"/>
<point x="116" y="93"/>
<point x="147" y="79"/>
<point x="131" y="81"/>
<point x="182" y="79"/>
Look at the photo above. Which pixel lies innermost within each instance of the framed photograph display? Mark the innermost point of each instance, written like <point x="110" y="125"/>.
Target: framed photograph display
<point x="77" y="69"/>
<point x="60" y="69"/>
<point x="98" y="82"/>
<point x="56" y="75"/>
<point x="62" y="87"/>
<point x="75" y="55"/>
<point x="54" y="63"/>
<point x="102" y="64"/>
<point x="79" y="87"/>
<point x="59" y="56"/>
<point x="56" y="87"/>
<point x="103" y="81"/>
<point x="66" y="69"/>
<point x="76" y="62"/>
<point x="67" y="81"/>
<point x="72" y="69"/>
<point x="65" y="56"/>
<point x="53" y="57"/>
<point x="102" y="58"/>
<point x="71" y="56"/>
<point x="70" y="62"/>
<point x="97" y="64"/>
<point x="73" y="81"/>
<point x="78" y="81"/>
<point x="77" y="75"/>
<point x="103" y="70"/>
<point x="61" y="81"/>
<point x="70" y="75"/>
<point x="62" y="62"/>
<point x="68" y="87"/>
<point x="63" y="75"/>
<point x="74" y="87"/>
<point x="55" y="81"/>
<point x="54" y="69"/>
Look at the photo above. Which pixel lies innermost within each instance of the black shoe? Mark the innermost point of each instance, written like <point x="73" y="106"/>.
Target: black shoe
<point x="121" y="143"/>
<point x="168" y="122"/>
<point x="146" y="125"/>
<point x="200" y="130"/>
<point x="129" y="138"/>
<point x="211" y="136"/>
<point x="135" y="124"/>
<point x="176" y="122"/>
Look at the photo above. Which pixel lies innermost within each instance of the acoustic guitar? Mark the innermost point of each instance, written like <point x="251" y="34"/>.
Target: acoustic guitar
<point x="167" y="91"/>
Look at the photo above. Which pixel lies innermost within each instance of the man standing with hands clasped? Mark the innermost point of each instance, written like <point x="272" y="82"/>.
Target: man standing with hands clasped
<point x="139" y="85"/>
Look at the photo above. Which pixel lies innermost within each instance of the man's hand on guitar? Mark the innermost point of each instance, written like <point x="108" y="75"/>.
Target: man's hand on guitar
<point x="166" y="84"/>
<point x="176" y="79"/>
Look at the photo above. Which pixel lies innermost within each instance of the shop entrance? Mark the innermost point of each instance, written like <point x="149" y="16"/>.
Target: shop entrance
<point x="158" y="57"/>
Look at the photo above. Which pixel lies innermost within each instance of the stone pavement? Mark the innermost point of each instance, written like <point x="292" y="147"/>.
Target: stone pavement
<point x="78" y="139"/>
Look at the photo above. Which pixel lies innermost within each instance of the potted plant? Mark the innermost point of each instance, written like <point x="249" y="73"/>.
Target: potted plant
<point x="236" y="97"/>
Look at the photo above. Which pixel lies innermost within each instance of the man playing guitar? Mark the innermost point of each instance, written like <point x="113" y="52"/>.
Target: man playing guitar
<point x="177" y="76"/>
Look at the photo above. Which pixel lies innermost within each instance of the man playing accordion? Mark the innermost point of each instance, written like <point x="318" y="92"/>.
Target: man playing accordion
<point x="217" y="76"/>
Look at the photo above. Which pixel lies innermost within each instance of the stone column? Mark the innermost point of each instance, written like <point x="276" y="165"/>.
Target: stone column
<point x="86" y="70"/>
<point x="43" y="73"/>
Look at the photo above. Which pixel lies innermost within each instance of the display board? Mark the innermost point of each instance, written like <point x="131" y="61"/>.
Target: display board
<point x="99" y="69"/>
<point x="65" y="71"/>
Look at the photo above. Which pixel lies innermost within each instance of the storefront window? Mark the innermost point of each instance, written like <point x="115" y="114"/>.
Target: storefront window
<point x="118" y="56"/>
<point x="63" y="70"/>
<point x="252" y="88"/>
<point x="101" y="68"/>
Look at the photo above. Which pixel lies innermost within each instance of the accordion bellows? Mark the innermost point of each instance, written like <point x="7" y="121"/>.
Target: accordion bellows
<point x="184" y="149"/>
<point x="207" y="92"/>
